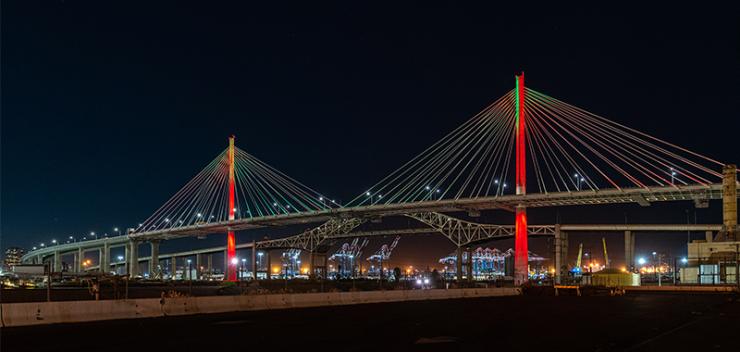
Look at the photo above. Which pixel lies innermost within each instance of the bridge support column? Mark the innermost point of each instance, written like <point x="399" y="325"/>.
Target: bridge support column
<point x="173" y="267"/>
<point x="629" y="250"/>
<point x="561" y="254"/>
<point x="318" y="265"/>
<point x="470" y="264"/>
<point x="198" y="265"/>
<point x="729" y="202"/>
<point x="709" y="236"/>
<point x="78" y="260"/>
<point x="209" y="265"/>
<point x="133" y="260"/>
<point x="57" y="262"/>
<point x="154" y="261"/>
<point x="311" y="273"/>
<point x="521" y="250"/>
<point x="105" y="258"/>
<point x="269" y="265"/>
<point x="254" y="260"/>
<point x="459" y="264"/>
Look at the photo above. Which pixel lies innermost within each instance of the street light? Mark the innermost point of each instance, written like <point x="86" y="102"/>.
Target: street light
<point x="673" y="175"/>
<point x="54" y="241"/>
<point x="190" y="270"/>
<point x="92" y="233"/>
<point x="117" y="231"/>
<point x="641" y="261"/>
<point x="243" y="268"/>
<point x="73" y="238"/>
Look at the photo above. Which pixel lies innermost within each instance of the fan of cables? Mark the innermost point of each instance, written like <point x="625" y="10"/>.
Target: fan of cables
<point x="259" y="190"/>
<point x="568" y="150"/>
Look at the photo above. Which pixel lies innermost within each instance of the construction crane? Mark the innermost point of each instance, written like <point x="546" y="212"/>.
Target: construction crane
<point x="606" y="255"/>
<point x="383" y="254"/>
<point x="577" y="268"/>
<point x="346" y="257"/>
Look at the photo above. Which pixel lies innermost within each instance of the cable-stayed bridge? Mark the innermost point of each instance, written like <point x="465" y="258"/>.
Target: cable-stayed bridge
<point x="525" y="150"/>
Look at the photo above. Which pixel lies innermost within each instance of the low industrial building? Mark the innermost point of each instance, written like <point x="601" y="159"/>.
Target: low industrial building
<point x="710" y="262"/>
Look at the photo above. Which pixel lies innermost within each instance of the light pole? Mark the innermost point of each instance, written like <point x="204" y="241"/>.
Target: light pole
<point x="117" y="231"/>
<point x="673" y="176"/>
<point x="92" y="233"/>
<point x="120" y="259"/>
<point x="190" y="270"/>
<point x="244" y="266"/>
<point x="258" y="264"/>
<point x="655" y="268"/>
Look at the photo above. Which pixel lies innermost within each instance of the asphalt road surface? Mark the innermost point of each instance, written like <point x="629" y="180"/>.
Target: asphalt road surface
<point x="636" y="322"/>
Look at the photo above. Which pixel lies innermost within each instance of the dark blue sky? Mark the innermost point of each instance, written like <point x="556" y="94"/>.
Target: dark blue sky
<point x="108" y="108"/>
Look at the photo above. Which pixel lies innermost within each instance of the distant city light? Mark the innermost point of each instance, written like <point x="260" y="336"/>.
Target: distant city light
<point x="641" y="261"/>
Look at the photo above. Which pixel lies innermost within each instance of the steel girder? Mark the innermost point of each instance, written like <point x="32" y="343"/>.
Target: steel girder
<point x="462" y="232"/>
<point x="311" y="239"/>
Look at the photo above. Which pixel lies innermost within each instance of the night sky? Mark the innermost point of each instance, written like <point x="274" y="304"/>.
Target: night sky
<point x="108" y="108"/>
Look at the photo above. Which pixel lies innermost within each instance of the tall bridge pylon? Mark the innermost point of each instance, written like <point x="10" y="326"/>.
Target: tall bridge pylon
<point x="521" y="241"/>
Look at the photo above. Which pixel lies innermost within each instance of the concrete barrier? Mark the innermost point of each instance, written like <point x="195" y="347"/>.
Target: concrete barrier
<point x="20" y="314"/>
<point x="23" y="314"/>
<point x="707" y="289"/>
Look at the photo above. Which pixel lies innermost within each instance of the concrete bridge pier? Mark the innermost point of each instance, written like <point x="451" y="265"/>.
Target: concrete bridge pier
<point x="459" y="264"/>
<point x="104" y="258"/>
<point x="561" y="254"/>
<point x="154" y="260"/>
<point x="173" y="267"/>
<point x="209" y="265"/>
<point x="729" y="202"/>
<point x="269" y="265"/>
<point x="470" y="264"/>
<point x="199" y="265"/>
<point x="57" y="262"/>
<point x="254" y="260"/>
<point x="133" y="258"/>
<point x="629" y="250"/>
<point x="78" y="260"/>
<point x="311" y="273"/>
<point x="709" y="236"/>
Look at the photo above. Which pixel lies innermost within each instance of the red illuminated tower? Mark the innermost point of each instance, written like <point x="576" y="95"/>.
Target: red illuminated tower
<point x="521" y="258"/>
<point x="231" y="240"/>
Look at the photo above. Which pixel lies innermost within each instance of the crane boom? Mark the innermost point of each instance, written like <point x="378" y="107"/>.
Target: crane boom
<point x="580" y="253"/>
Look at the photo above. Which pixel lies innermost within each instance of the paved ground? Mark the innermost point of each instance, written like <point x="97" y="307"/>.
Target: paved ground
<point x="640" y="322"/>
